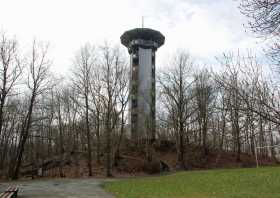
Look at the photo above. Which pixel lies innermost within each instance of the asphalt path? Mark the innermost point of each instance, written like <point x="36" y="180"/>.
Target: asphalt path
<point x="59" y="188"/>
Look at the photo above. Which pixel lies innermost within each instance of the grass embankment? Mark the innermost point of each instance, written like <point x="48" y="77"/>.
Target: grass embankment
<point x="235" y="183"/>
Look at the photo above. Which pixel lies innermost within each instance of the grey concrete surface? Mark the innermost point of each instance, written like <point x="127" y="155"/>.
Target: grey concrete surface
<point x="59" y="188"/>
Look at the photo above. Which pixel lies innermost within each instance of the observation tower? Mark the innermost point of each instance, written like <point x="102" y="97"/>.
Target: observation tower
<point x="142" y="44"/>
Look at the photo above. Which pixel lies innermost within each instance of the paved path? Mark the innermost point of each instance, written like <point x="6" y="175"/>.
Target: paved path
<point x="59" y="188"/>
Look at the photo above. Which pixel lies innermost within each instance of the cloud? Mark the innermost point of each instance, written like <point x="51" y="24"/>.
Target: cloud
<point x="205" y="27"/>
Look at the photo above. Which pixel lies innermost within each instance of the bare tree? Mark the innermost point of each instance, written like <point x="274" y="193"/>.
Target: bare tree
<point x="230" y="80"/>
<point x="96" y="97"/>
<point x="264" y="20"/>
<point x="176" y="88"/>
<point x="10" y="73"/>
<point x="222" y="112"/>
<point x="123" y="97"/>
<point x="250" y="102"/>
<point x="10" y="70"/>
<point x="84" y="64"/>
<point x="112" y="67"/>
<point x="204" y="89"/>
<point x="38" y="82"/>
<point x="61" y="128"/>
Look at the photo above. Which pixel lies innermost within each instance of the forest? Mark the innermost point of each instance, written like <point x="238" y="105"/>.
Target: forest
<point x="49" y="123"/>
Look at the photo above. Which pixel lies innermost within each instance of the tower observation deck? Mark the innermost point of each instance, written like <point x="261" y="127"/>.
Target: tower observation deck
<point x="142" y="43"/>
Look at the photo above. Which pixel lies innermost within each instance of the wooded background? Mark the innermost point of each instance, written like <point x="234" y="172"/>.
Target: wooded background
<point x="46" y="120"/>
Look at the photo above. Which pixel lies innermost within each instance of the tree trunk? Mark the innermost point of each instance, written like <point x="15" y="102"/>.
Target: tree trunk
<point x="98" y="138"/>
<point x="181" y="157"/>
<point x="88" y="137"/>
<point x="117" y="155"/>
<point x="61" y="150"/>
<point x="23" y="137"/>
<point x="108" y="148"/>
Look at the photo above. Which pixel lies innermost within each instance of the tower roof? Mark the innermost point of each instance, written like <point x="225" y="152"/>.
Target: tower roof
<point x="143" y="34"/>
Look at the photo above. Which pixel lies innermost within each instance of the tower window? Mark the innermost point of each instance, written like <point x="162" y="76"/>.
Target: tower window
<point x="134" y="103"/>
<point x="134" y="89"/>
<point x="153" y="60"/>
<point x="135" y="59"/>
<point x="153" y="71"/>
<point x="134" y="117"/>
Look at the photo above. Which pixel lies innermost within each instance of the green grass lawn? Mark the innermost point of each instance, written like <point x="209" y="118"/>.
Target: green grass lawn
<point x="233" y="183"/>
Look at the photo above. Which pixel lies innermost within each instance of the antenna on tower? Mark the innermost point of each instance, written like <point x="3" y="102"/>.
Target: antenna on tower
<point x="142" y="21"/>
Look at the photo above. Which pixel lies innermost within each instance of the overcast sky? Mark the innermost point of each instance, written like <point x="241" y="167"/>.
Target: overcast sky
<point x="206" y="28"/>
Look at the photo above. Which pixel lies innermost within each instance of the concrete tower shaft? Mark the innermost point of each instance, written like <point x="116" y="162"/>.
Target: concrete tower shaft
<point x="142" y="44"/>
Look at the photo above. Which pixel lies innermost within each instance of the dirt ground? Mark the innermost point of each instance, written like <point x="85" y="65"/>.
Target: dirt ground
<point x="59" y="188"/>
